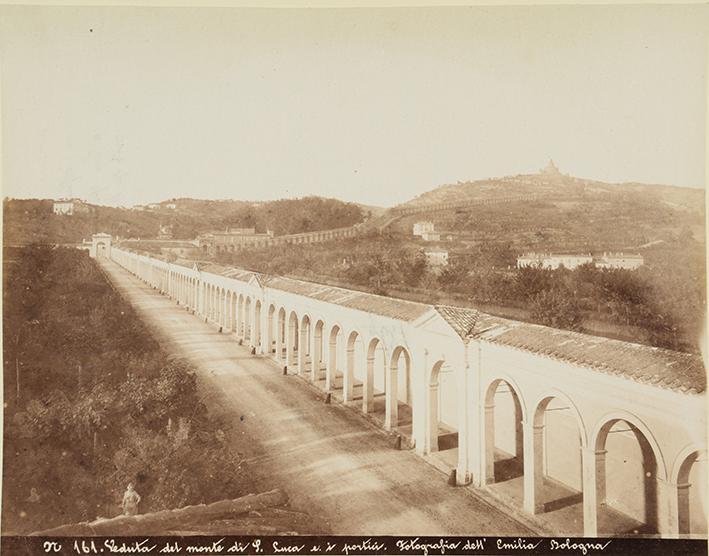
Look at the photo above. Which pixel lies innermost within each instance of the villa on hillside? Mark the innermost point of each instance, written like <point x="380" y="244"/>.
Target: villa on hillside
<point x="68" y="207"/>
<point x="421" y="228"/>
<point x="574" y="260"/>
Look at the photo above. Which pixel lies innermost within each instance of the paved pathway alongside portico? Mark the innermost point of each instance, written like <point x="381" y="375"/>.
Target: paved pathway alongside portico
<point x="333" y="464"/>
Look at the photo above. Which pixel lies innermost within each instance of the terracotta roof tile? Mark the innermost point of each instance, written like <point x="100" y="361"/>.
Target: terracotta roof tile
<point x="645" y="364"/>
<point x="683" y="372"/>
<point x="462" y="320"/>
<point x="391" y="307"/>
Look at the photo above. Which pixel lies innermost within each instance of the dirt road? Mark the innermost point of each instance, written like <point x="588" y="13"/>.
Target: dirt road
<point x="332" y="464"/>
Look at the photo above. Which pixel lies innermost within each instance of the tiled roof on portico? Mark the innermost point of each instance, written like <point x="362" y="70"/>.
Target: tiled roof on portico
<point x="461" y="319"/>
<point x="663" y="368"/>
<point x="391" y="307"/>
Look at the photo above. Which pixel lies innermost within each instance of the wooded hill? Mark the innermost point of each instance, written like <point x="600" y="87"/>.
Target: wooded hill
<point x="566" y="213"/>
<point x="32" y="220"/>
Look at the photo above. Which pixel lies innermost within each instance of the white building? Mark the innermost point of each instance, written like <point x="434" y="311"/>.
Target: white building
<point x="64" y="207"/>
<point x="571" y="261"/>
<point x="421" y="228"/>
<point x="619" y="260"/>
<point x="551" y="261"/>
<point x="436" y="258"/>
<point x="431" y="236"/>
<point x="100" y="246"/>
<point x="69" y="206"/>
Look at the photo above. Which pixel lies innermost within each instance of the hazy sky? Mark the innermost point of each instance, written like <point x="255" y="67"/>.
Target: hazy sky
<point x="132" y="105"/>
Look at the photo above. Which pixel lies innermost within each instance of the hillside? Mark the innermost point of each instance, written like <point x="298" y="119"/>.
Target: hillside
<point x="554" y="212"/>
<point x="32" y="220"/>
<point x="485" y="225"/>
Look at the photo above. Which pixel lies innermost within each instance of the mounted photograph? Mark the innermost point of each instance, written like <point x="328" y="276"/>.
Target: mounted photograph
<point x="377" y="274"/>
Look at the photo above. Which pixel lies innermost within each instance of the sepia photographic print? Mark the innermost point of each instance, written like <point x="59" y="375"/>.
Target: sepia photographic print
<point x="354" y="280"/>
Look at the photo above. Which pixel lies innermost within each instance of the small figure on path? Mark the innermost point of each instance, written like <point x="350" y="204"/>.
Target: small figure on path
<point x="131" y="499"/>
<point x="33" y="497"/>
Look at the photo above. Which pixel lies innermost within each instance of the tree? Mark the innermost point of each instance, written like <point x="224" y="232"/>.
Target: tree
<point x="556" y="309"/>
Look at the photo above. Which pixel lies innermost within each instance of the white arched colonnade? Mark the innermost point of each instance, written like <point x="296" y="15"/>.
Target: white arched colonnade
<point x="548" y="415"/>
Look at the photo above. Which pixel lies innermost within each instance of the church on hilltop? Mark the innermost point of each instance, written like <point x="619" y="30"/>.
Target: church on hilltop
<point x="550" y="170"/>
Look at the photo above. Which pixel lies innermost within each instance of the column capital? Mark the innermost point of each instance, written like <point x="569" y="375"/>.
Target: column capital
<point x="592" y="451"/>
<point x="530" y="425"/>
<point x="671" y="484"/>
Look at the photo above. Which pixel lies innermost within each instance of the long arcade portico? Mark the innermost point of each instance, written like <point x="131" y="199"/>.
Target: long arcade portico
<point x="596" y="435"/>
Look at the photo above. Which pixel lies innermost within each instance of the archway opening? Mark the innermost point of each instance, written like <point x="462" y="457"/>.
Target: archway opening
<point x="240" y="317"/>
<point x="442" y="433"/>
<point x="248" y="333"/>
<point x="691" y="495"/>
<point x="374" y="380"/>
<point x="399" y="414"/>
<point x="504" y="440"/>
<point x="626" y="485"/>
<point x="317" y="354"/>
<point x="292" y="341"/>
<point x="334" y="375"/>
<point x="210" y="297"/>
<point x="222" y="307"/>
<point x="558" y="467"/>
<point x="270" y="330"/>
<point x="233" y="309"/>
<point x="304" y="356"/>
<point x="354" y="368"/>
<point x="256" y="329"/>
<point x="281" y="330"/>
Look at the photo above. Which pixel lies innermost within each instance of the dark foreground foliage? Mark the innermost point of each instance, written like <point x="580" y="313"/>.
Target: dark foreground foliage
<point x="92" y="403"/>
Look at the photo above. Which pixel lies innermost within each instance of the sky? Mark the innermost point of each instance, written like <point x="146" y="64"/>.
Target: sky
<point x="129" y="105"/>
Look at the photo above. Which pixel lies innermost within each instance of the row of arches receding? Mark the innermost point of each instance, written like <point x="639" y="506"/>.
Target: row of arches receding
<point x="351" y="366"/>
<point x="541" y="455"/>
<point x="612" y="479"/>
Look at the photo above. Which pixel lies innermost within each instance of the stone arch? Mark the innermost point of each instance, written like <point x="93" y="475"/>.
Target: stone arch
<point x="354" y="340"/>
<point x="317" y="351"/>
<point x="597" y="436"/>
<point x="234" y="326"/>
<point x="398" y="387"/>
<point x="636" y="499"/>
<point x="554" y="393"/>
<point x="439" y="437"/>
<point x="334" y="365"/>
<point x="221" y="302"/>
<point x="556" y="468"/>
<point x="691" y="502"/>
<point x="281" y="334"/>
<point x="270" y="329"/>
<point x="240" y="316"/>
<point x="256" y="329"/>
<point x="292" y="339"/>
<point x="248" y="333"/>
<point x="374" y="381"/>
<point x="691" y="518"/>
<point x="305" y="330"/>
<point x="227" y="309"/>
<point x="504" y="462"/>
